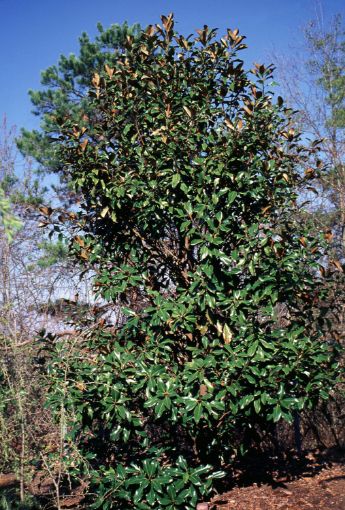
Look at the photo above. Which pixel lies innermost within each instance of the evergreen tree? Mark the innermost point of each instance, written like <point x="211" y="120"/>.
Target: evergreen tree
<point x="326" y="65"/>
<point x="314" y="84"/>
<point x="188" y="178"/>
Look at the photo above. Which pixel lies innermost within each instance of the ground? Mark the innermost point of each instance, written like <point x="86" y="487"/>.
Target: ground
<point x="317" y="482"/>
<point x="312" y="481"/>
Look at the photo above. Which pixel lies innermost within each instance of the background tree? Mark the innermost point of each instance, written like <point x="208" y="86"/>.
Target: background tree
<point x="314" y="84"/>
<point x="188" y="176"/>
<point x="64" y="92"/>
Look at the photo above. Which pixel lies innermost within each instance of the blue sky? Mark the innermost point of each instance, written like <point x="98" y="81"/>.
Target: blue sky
<point x="33" y="33"/>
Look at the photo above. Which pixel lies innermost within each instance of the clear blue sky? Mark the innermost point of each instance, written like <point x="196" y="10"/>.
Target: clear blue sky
<point x="33" y="33"/>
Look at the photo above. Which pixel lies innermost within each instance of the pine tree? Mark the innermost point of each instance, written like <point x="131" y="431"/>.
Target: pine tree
<point x="64" y="92"/>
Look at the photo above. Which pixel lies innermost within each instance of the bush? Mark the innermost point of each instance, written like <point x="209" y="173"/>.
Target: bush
<point x="189" y="173"/>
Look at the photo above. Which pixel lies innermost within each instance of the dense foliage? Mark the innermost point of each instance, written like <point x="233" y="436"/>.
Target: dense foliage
<point x="188" y="179"/>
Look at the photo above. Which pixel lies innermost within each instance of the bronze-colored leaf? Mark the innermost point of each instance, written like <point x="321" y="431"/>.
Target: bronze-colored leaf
<point x="109" y="70"/>
<point x="239" y="39"/>
<point x="184" y="43"/>
<point x="265" y="209"/>
<point x="84" y="255"/>
<point x="81" y="386"/>
<point x="203" y="34"/>
<point x="338" y="265"/>
<point x="84" y="144"/>
<point x="247" y="110"/>
<point x="328" y="235"/>
<point x="96" y="80"/>
<point x="233" y="33"/>
<point x="144" y="50"/>
<point x="229" y="124"/>
<point x="46" y="211"/>
<point x="239" y="125"/>
<point x="150" y="31"/>
<point x="168" y="21"/>
<point x="203" y="390"/>
<point x="79" y="240"/>
<point x="309" y="172"/>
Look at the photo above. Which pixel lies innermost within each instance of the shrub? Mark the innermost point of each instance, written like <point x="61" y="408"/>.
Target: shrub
<point x="189" y="177"/>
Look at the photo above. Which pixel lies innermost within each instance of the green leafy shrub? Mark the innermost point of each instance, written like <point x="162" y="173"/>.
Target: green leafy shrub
<point x="188" y="178"/>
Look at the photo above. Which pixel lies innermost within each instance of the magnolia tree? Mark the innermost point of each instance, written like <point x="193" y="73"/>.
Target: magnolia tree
<point x="187" y="176"/>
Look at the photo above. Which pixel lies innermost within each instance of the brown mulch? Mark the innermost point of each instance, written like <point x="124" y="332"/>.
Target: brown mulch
<point x="319" y="488"/>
